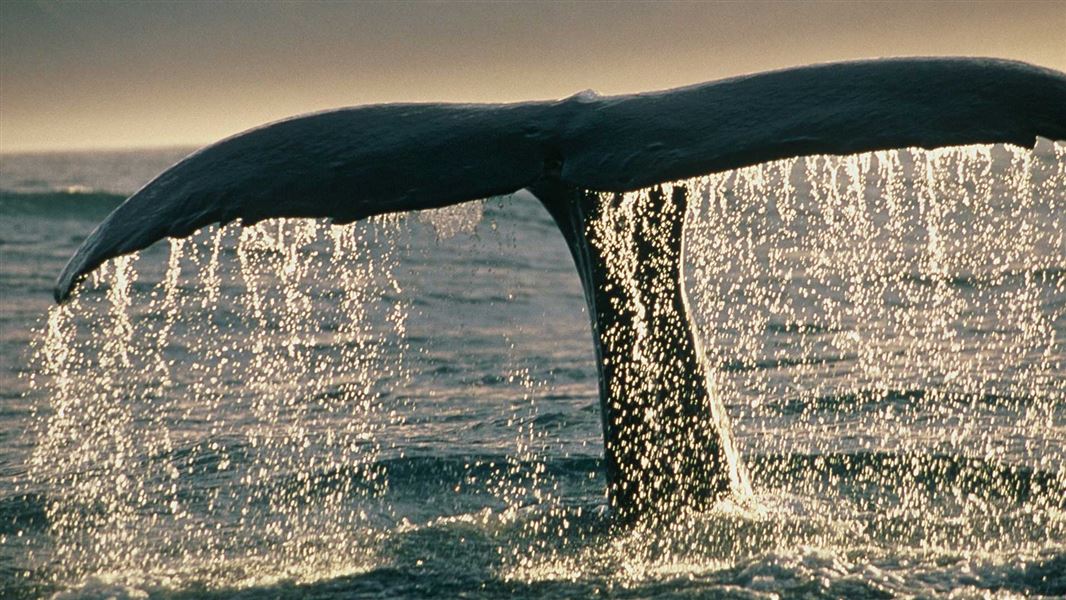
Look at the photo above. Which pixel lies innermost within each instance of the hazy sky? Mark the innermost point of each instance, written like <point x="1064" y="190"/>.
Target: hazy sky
<point x="126" y="74"/>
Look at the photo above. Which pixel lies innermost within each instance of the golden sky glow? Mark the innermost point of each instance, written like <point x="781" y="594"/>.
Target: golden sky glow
<point x="155" y="74"/>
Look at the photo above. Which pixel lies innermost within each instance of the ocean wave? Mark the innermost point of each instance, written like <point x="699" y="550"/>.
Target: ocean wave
<point x="423" y="471"/>
<point x="873" y="399"/>
<point x="420" y="474"/>
<point x="22" y="513"/>
<point x="1007" y="277"/>
<point x="785" y="546"/>
<point x="748" y="365"/>
<point x="72" y="202"/>
<point x="933" y="473"/>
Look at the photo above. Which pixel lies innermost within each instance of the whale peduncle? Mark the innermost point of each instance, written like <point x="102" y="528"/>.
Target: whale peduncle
<point x="667" y="440"/>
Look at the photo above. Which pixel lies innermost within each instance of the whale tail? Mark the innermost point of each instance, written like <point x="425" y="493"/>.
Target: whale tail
<point x="354" y="163"/>
<point x="667" y="440"/>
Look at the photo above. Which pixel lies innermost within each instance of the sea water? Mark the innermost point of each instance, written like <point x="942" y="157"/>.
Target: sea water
<point x="408" y="406"/>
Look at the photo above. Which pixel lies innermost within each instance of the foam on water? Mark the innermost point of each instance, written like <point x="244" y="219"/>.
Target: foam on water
<point x="887" y="331"/>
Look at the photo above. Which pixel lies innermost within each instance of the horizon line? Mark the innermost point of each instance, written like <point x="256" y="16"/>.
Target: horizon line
<point x="103" y="148"/>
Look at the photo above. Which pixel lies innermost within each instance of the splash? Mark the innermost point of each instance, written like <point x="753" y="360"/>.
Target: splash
<point x="150" y="404"/>
<point x="453" y="220"/>
<point x="884" y="330"/>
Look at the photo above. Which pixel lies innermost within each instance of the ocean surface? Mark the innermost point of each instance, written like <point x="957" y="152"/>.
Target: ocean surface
<point x="407" y="407"/>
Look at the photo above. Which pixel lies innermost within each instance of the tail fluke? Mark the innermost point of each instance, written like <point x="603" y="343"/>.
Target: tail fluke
<point x="354" y="163"/>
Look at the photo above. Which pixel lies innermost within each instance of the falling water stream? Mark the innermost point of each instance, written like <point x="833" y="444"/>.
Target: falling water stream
<point x="401" y="407"/>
